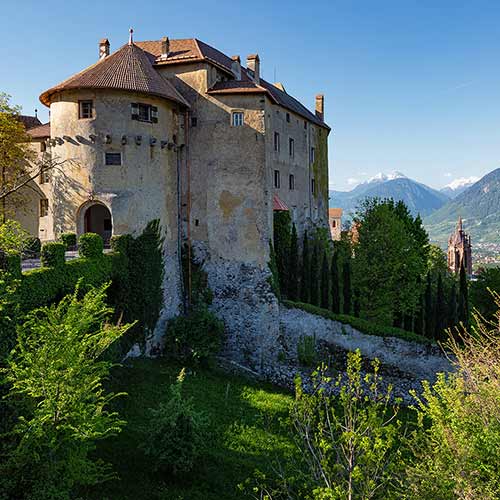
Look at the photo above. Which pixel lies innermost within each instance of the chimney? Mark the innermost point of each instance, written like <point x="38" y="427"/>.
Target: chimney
<point x="103" y="48"/>
<point x="253" y="64"/>
<point x="320" y="107"/>
<point x="236" y="67"/>
<point x="165" y="47"/>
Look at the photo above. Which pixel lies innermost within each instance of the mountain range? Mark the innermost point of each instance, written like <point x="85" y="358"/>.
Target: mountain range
<point x="479" y="207"/>
<point x="477" y="201"/>
<point x="418" y="197"/>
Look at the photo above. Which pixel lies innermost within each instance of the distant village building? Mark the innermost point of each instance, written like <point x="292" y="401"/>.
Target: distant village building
<point x="335" y="222"/>
<point x="460" y="250"/>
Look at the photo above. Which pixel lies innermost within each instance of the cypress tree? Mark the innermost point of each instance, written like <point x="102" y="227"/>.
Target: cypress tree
<point x="314" y="285"/>
<point x="357" y="304"/>
<point x="325" y="283"/>
<point x="463" y="297"/>
<point x="305" y="274"/>
<point x="419" y="323"/>
<point x="346" y="284"/>
<point x="452" y="306"/>
<point x="429" y="330"/>
<point x="293" y="266"/>
<point x="440" y="313"/>
<point x="335" y="285"/>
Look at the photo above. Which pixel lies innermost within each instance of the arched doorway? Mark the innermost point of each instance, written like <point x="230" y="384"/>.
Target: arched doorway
<point x="97" y="219"/>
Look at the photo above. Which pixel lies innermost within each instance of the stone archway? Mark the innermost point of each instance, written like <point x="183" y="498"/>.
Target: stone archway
<point x="96" y="218"/>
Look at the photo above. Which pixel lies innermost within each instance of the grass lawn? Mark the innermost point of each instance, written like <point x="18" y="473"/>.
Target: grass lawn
<point x="247" y="433"/>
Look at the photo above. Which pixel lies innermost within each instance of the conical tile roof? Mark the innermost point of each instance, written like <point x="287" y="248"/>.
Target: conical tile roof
<point x="129" y="68"/>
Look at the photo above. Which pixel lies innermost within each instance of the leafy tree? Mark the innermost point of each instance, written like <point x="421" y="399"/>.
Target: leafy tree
<point x="335" y="285"/>
<point x="13" y="238"/>
<point x="315" y="269"/>
<point x="293" y="266"/>
<point x="58" y="368"/>
<point x="325" y="282"/>
<point x="305" y="285"/>
<point x="488" y="280"/>
<point x="457" y="445"/>
<point x="463" y="297"/>
<point x="346" y="285"/>
<point x="452" y="307"/>
<point x="176" y="435"/>
<point x="429" y="309"/>
<point x="282" y="236"/>
<point x="440" y="310"/>
<point x="388" y="261"/>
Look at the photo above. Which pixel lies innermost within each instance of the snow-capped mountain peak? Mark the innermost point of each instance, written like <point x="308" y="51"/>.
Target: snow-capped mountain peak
<point x="462" y="182"/>
<point x="382" y="177"/>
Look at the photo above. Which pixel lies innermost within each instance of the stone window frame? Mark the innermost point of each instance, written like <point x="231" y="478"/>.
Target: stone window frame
<point x="240" y="115"/>
<point x="277" y="179"/>
<point x="291" y="182"/>
<point x="44" y="207"/>
<point x="291" y="147"/>
<point x="112" y="154"/>
<point x="83" y="111"/>
<point x="277" y="146"/>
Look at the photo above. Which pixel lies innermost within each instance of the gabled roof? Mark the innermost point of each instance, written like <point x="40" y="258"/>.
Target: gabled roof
<point x="129" y="68"/>
<point x="29" y="121"/>
<point x="193" y="50"/>
<point x="40" y="132"/>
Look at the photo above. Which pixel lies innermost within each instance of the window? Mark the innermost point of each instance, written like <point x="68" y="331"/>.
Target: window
<point x="312" y="155"/>
<point x="291" y="147"/>
<point x="277" y="141"/>
<point x="277" y="179"/>
<point x="288" y="117"/>
<point x="334" y="223"/>
<point x="144" y="112"/>
<point x="313" y="186"/>
<point x="44" y="207"/>
<point x="305" y="125"/>
<point x="43" y="147"/>
<point x="113" y="158"/>
<point x="194" y="121"/>
<point x="44" y="176"/>
<point x="237" y="119"/>
<point x="85" y="109"/>
<point x="291" y="182"/>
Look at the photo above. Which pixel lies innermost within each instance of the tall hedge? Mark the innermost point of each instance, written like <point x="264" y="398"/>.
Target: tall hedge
<point x="282" y="222"/>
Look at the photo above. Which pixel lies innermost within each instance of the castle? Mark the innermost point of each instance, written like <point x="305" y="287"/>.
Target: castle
<point x="460" y="250"/>
<point x="176" y="130"/>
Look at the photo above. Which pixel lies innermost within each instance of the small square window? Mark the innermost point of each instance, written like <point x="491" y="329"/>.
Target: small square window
<point x="291" y="182"/>
<point x="113" y="158"/>
<point x="237" y="119"/>
<point x="85" y="109"/>
<point x="291" y="148"/>
<point x="194" y="121"/>
<point x="44" y="207"/>
<point x="277" y="179"/>
<point x="276" y="141"/>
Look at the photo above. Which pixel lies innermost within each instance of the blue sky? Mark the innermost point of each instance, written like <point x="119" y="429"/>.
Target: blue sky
<point x="412" y="86"/>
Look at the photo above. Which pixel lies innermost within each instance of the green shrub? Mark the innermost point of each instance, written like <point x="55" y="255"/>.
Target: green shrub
<point x="69" y="239"/>
<point x="10" y="263"/>
<point x="53" y="254"/>
<point x="194" y="338"/>
<point x="306" y="350"/>
<point x="362" y="325"/>
<point x="12" y="236"/>
<point x="58" y="370"/>
<point x="120" y="243"/>
<point x="90" y="245"/>
<point x="177" y="434"/>
<point x="32" y="247"/>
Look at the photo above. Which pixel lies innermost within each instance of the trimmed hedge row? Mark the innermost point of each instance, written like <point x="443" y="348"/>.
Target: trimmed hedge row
<point x="360" y="324"/>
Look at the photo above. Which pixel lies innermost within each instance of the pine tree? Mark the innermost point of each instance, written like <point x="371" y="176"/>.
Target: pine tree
<point x="335" y="284"/>
<point x="305" y="271"/>
<point x="452" y="306"/>
<point x="325" y="283"/>
<point x="314" y="285"/>
<point x="440" y="312"/>
<point x="429" y="316"/>
<point x="346" y="284"/>
<point x="463" y="297"/>
<point x="293" y="266"/>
